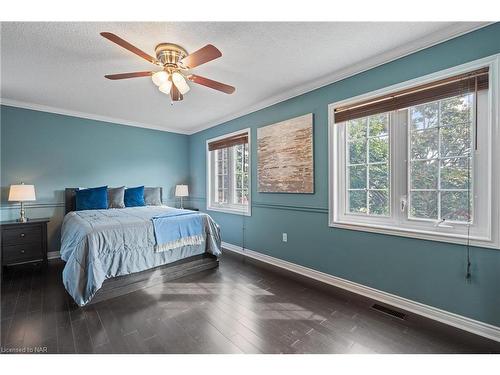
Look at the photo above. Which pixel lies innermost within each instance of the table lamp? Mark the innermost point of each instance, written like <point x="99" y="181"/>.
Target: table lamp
<point x="181" y="191"/>
<point x="22" y="193"/>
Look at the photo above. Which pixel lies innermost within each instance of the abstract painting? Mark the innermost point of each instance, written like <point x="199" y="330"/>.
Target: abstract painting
<point x="285" y="156"/>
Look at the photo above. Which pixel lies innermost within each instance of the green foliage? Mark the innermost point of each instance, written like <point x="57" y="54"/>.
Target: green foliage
<point x="424" y="116"/>
<point x="368" y="150"/>
<point x="424" y="144"/>
<point x="357" y="176"/>
<point x="241" y="173"/>
<point x="440" y="145"/>
<point x="379" y="202"/>
<point x="454" y="173"/>
<point x="424" y="204"/>
<point x="424" y="174"/>
<point x="441" y="131"/>
<point x="379" y="149"/>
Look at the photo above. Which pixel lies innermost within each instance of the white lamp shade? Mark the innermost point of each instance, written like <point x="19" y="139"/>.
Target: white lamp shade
<point x="22" y="193"/>
<point x="181" y="191"/>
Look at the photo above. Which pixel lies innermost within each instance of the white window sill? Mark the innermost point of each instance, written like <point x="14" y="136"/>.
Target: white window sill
<point x="230" y="210"/>
<point x="417" y="233"/>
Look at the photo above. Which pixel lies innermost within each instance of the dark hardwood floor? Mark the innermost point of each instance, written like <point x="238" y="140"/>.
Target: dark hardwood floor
<point x="242" y="307"/>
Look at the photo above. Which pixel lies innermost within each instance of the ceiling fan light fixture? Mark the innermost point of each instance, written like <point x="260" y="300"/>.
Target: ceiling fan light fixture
<point x="160" y="78"/>
<point x="165" y="87"/>
<point x="180" y="82"/>
<point x="172" y="59"/>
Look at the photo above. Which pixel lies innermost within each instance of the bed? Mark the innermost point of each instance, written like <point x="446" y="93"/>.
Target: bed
<point x="113" y="252"/>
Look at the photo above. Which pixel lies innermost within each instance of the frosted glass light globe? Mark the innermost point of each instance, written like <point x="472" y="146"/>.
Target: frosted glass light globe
<point x="165" y="87"/>
<point x="180" y="82"/>
<point x="159" y="78"/>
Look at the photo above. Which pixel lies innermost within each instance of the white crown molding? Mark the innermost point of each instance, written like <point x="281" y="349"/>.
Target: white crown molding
<point x="456" y="30"/>
<point x="467" y="324"/>
<point x="85" y="115"/>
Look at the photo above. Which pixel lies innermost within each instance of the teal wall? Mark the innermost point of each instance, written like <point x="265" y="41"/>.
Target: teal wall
<point x="429" y="272"/>
<point x="55" y="151"/>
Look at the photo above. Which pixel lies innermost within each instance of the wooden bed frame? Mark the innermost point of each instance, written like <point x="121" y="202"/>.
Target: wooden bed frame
<point x="121" y="285"/>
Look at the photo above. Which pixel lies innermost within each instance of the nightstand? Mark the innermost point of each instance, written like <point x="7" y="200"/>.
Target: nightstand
<point x="24" y="242"/>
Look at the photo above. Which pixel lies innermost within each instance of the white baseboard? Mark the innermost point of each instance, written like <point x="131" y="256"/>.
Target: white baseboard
<point x="455" y="320"/>
<point x="53" y="255"/>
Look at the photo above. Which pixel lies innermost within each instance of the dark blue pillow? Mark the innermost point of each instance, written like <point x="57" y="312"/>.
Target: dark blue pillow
<point x="92" y="199"/>
<point x="134" y="197"/>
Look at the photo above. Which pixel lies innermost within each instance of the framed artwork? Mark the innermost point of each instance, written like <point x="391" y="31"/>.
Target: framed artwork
<point x="285" y="156"/>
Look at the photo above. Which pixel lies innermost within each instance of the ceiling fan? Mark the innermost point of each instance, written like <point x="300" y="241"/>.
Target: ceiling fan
<point x="175" y="63"/>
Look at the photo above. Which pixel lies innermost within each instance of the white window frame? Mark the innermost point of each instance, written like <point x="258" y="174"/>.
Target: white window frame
<point x="485" y="235"/>
<point x="237" y="209"/>
<point x="229" y="163"/>
<point x="342" y="179"/>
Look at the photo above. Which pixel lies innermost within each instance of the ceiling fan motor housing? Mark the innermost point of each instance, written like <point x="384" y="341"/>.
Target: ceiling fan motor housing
<point x="169" y="53"/>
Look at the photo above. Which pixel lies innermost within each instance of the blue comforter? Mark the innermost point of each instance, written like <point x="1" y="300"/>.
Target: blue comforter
<point x="100" y="244"/>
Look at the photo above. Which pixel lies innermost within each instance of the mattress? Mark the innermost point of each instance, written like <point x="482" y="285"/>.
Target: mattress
<point x="100" y="244"/>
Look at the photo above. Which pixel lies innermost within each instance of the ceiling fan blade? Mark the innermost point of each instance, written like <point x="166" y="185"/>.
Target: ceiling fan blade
<point x="175" y="95"/>
<point x="123" y="43"/>
<point x="202" y="56"/>
<point x="128" y="75"/>
<point x="211" y="83"/>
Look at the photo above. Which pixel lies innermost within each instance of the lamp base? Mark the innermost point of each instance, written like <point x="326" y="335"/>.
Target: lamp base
<point x="22" y="215"/>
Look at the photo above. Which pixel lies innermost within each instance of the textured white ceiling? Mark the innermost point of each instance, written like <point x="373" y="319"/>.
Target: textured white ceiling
<point x="61" y="65"/>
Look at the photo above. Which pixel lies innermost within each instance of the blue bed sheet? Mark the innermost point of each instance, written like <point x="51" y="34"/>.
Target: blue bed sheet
<point x="100" y="244"/>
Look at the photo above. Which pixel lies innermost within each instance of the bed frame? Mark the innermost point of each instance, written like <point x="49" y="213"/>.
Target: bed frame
<point x="121" y="285"/>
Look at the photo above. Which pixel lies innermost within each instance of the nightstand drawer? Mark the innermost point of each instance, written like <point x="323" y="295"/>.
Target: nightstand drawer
<point x="21" y="235"/>
<point x="21" y="253"/>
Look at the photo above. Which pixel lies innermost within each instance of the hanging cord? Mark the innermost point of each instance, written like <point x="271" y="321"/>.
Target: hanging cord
<point x="243" y="233"/>
<point x="468" y="274"/>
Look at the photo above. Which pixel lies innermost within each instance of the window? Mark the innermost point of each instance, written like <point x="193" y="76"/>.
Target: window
<point x="367" y="165"/>
<point x="440" y="157"/>
<point x="418" y="159"/>
<point x="228" y="161"/>
<point x="222" y="176"/>
<point x="241" y="174"/>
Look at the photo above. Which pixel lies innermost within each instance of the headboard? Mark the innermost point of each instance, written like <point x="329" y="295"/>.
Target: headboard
<point x="70" y="198"/>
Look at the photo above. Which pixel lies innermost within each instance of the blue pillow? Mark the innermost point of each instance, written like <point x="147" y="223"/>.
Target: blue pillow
<point x="134" y="197"/>
<point x="92" y="199"/>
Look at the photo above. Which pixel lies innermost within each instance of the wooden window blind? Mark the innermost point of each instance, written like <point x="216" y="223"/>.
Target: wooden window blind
<point x="444" y="88"/>
<point x="238" y="139"/>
